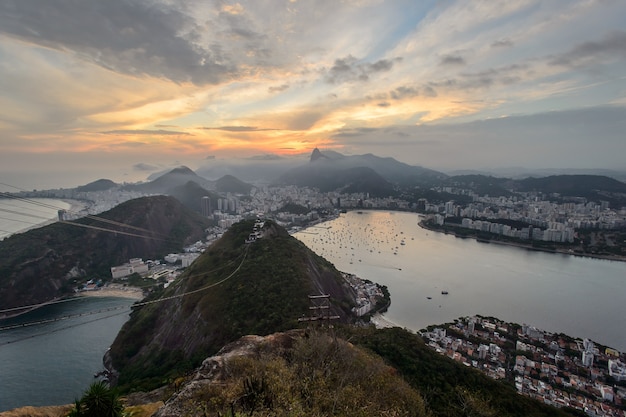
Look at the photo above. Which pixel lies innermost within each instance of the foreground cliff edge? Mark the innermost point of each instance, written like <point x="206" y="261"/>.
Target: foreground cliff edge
<point x="346" y="371"/>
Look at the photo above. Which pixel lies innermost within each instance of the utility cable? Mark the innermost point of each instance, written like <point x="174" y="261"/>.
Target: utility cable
<point x="141" y="304"/>
<point x="60" y="318"/>
<point x="90" y="216"/>
<point x="64" y="300"/>
<point x="60" y="329"/>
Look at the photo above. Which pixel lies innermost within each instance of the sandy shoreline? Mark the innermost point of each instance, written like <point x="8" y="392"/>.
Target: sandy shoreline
<point x="76" y="206"/>
<point x="122" y="292"/>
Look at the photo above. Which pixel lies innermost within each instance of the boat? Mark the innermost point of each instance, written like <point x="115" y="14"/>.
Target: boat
<point x="430" y="298"/>
<point x="444" y="292"/>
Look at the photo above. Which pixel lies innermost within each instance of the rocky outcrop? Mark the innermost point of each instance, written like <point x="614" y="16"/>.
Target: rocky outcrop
<point x="214" y="370"/>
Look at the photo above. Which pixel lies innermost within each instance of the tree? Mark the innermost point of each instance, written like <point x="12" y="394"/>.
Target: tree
<point x="98" y="401"/>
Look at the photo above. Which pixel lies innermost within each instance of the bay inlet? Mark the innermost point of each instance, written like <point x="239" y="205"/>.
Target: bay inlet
<point x="435" y="278"/>
<point x="53" y="363"/>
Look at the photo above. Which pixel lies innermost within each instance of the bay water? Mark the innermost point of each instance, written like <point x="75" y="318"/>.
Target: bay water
<point x="581" y="297"/>
<point x="54" y="363"/>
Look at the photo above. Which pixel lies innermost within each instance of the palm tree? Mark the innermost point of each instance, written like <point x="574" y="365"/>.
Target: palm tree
<point x="99" y="401"/>
<point x="77" y="411"/>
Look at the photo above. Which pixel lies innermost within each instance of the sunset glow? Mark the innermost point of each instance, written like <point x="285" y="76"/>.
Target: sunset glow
<point x="180" y="80"/>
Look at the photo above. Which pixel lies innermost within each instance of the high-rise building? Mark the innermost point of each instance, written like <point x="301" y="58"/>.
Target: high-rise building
<point x="205" y="204"/>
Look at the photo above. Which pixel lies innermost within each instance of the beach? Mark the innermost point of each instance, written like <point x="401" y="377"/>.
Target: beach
<point x="114" y="290"/>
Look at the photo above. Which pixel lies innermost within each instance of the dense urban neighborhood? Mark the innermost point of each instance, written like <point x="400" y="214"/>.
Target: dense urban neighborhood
<point x="553" y="368"/>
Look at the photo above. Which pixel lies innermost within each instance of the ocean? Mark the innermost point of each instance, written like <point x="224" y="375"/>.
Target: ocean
<point x="54" y="363"/>
<point x="19" y="215"/>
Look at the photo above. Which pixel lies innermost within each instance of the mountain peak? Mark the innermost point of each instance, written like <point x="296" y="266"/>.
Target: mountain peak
<point x="182" y="170"/>
<point x="317" y="155"/>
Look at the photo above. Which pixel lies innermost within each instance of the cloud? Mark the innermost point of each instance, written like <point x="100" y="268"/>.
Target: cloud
<point x="159" y="39"/>
<point x="146" y="132"/>
<point x="502" y="43"/>
<point x="428" y="91"/>
<point x="238" y="128"/>
<point x="265" y="157"/>
<point x="452" y="60"/>
<point x="505" y="141"/>
<point x="403" y="92"/>
<point x="505" y="75"/>
<point x="349" y="69"/>
<point x="278" y="88"/>
<point x="611" y="47"/>
<point x="145" y="167"/>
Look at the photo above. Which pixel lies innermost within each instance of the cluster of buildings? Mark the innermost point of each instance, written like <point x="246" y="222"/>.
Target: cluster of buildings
<point x="166" y="271"/>
<point x="549" y="221"/>
<point x="367" y="294"/>
<point x="557" y="233"/>
<point x="554" y="369"/>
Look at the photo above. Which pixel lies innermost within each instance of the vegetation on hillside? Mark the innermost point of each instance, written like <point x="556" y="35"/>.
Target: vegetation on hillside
<point x="232" y="290"/>
<point x="231" y="184"/>
<point x="448" y="387"/>
<point x="317" y="375"/>
<point x="43" y="264"/>
<point x="98" y="401"/>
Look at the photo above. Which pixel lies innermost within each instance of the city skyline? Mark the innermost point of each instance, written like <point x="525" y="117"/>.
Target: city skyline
<point x="140" y="86"/>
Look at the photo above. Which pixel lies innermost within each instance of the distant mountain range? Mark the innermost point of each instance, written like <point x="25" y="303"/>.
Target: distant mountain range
<point x="189" y="188"/>
<point x="521" y="173"/>
<point x="231" y="184"/>
<point x="591" y="187"/>
<point x="99" y="185"/>
<point x="171" y="179"/>
<point x="332" y="171"/>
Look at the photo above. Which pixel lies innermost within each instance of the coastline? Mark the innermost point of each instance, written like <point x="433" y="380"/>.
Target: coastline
<point x="77" y="208"/>
<point x="114" y="291"/>
<point x="526" y="246"/>
<point x="109" y="291"/>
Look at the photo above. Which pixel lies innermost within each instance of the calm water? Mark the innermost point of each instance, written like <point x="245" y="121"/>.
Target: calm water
<point x="578" y="296"/>
<point x="19" y="215"/>
<point x="52" y="364"/>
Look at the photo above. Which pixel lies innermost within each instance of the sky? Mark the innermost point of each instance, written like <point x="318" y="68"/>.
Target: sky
<point x="132" y="86"/>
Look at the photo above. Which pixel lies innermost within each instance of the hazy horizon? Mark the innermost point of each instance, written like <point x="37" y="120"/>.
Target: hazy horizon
<point x="64" y="176"/>
<point x="130" y="86"/>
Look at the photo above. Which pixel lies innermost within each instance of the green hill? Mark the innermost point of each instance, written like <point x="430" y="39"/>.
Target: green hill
<point x="99" y="185"/>
<point x="190" y="194"/>
<point x="41" y="264"/>
<point x="232" y="290"/>
<point x="230" y="184"/>
<point x="340" y="372"/>
<point x="591" y="187"/>
<point x="448" y="387"/>
<point x="295" y="374"/>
